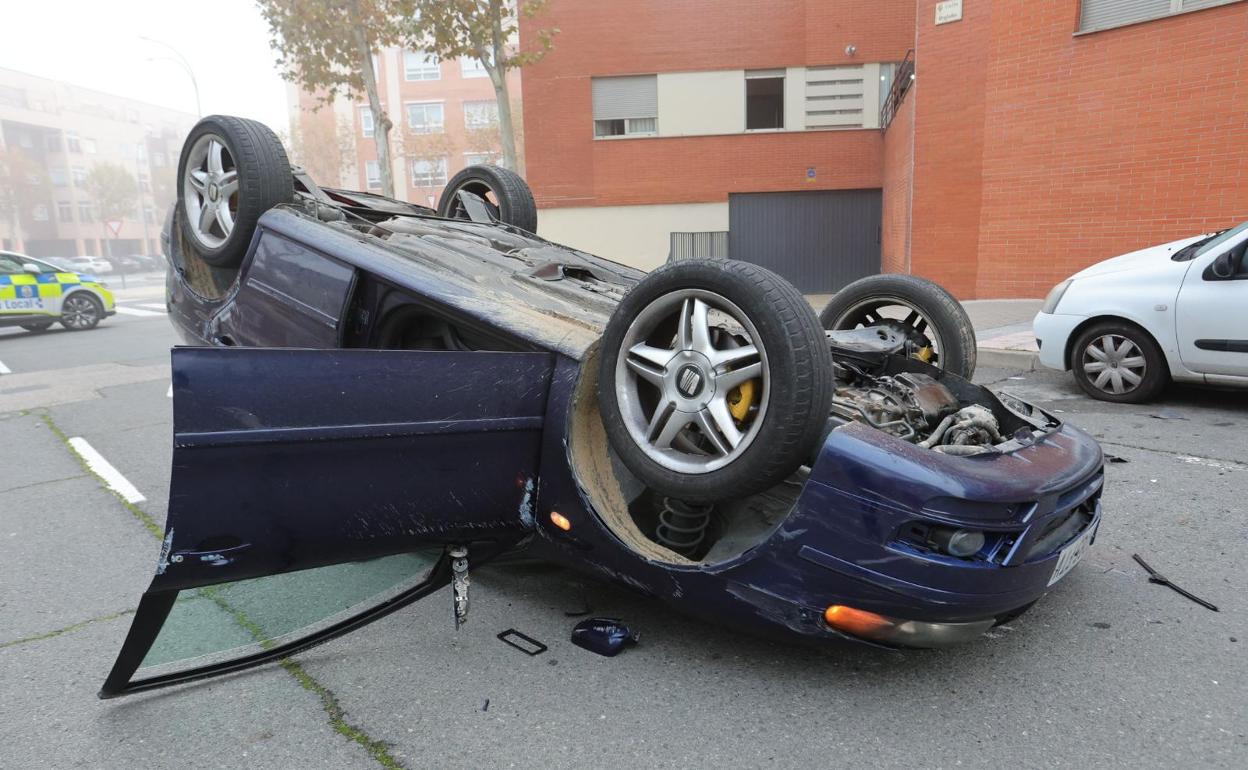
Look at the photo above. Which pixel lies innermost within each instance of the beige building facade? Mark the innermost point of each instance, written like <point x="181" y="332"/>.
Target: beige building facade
<point x="52" y="134"/>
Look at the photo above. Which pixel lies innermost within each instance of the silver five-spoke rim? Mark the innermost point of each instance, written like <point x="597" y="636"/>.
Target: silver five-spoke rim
<point x="78" y="313"/>
<point x="902" y="316"/>
<point x="685" y="362"/>
<point x="210" y="191"/>
<point x="1114" y="364"/>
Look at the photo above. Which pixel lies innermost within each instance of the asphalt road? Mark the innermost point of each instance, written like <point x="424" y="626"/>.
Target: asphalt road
<point x="1106" y="671"/>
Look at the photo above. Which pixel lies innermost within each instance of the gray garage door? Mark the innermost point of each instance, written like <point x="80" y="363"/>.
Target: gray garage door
<point x="820" y="240"/>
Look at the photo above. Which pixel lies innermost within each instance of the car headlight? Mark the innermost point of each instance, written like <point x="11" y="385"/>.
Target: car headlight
<point x="1055" y="296"/>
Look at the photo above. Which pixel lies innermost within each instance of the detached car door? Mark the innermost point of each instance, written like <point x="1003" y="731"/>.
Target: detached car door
<point x="314" y="491"/>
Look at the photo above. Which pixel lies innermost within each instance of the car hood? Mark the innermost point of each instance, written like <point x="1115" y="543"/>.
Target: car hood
<point x="1147" y="258"/>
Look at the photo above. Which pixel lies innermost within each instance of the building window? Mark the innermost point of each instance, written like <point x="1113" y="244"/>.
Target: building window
<point x="1096" y="15"/>
<point x="425" y="117"/>
<point x="480" y="158"/>
<point x="481" y="114"/>
<point x="24" y="140"/>
<point x="366" y="122"/>
<point x="52" y="142"/>
<point x="71" y="141"/>
<point x="764" y="99"/>
<point x="429" y="173"/>
<point x="472" y="68"/>
<point x="80" y="176"/>
<point x="58" y="177"/>
<point x="39" y="213"/>
<point x="419" y="65"/>
<point x="65" y="212"/>
<point x="372" y="174"/>
<point x="84" y="213"/>
<point x="625" y="106"/>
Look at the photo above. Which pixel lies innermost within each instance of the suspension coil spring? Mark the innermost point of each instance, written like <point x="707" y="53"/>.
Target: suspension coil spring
<point x="682" y="525"/>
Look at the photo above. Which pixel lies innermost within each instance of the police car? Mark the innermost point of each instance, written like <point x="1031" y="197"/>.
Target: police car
<point x="35" y="294"/>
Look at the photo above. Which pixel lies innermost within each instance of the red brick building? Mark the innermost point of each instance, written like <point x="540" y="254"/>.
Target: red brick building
<point x="1037" y="136"/>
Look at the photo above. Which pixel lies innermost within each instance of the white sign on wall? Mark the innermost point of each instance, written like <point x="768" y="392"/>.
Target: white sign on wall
<point x="948" y="10"/>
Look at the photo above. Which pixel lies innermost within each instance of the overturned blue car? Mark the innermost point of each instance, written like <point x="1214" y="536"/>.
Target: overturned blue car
<point x="377" y="397"/>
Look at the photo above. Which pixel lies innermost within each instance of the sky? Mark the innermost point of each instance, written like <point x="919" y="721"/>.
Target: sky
<point x="99" y="45"/>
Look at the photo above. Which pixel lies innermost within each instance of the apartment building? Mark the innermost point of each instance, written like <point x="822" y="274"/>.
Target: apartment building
<point x="445" y="118"/>
<point x="52" y="134"/>
<point x="993" y="145"/>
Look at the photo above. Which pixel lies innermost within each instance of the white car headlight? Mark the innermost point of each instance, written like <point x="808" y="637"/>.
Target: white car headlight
<point x="1055" y="296"/>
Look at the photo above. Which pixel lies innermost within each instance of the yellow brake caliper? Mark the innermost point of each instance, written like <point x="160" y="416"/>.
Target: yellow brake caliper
<point x="924" y="354"/>
<point x="741" y="398"/>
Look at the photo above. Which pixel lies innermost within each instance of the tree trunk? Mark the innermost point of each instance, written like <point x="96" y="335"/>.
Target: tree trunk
<point x="496" y="66"/>
<point x="506" y="132"/>
<point x="381" y="121"/>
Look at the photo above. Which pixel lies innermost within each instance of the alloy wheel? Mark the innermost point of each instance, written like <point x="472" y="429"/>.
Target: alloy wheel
<point x="79" y="312"/>
<point x="692" y="381"/>
<point x="210" y="191"/>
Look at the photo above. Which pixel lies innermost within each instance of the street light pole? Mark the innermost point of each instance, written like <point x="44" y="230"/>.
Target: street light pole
<point x="181" y="60"/>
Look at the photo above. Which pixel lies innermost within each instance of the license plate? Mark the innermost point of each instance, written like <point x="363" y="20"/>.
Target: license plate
<point x="1072" y="553"/>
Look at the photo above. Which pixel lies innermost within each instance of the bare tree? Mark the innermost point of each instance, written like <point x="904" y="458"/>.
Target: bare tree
<point x="325" y="148"/>
<point x="327" y="47"/>
<point x="485" y="30"/>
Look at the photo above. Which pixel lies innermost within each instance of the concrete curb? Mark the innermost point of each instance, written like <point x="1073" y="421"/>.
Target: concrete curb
<point x="997" y="358"/>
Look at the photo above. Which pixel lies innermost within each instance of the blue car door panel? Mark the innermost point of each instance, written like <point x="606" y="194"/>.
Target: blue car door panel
<point x="313" y="489"/>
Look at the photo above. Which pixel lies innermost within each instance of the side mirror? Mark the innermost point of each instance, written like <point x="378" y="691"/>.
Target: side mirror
<point x="31" y="267"/>
<point x="1227" y="263"/>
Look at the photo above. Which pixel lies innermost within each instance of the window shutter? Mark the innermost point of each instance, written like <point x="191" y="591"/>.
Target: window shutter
<point x="632" y="96"/>
<point x="1100" y="14"/>
<point x="835" y="97"/>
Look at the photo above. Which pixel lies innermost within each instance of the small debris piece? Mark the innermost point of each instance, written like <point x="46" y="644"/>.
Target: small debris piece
<point x="486" y="706"/>
<point x="605" y="636"/>
<point x="1116" y="459"/>
<point x="1156" y="577"/>
<point x="534" y="647"/>
<point x="1167" y="414"/>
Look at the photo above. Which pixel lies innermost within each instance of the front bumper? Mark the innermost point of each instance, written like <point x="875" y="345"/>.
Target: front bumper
<point x="1053" y="332"/>
<point x="846" y="541"/>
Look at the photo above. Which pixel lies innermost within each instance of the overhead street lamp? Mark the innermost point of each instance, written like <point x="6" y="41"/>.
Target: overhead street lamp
<point x="180" y="60"/>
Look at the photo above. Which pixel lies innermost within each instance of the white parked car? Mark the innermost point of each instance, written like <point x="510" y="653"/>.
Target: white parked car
<point x="1128" y="325"/>
<point x="92" y="265"/>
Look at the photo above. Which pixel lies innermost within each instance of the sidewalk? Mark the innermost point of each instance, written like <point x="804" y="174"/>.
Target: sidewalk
<point x="1003" y="332"/>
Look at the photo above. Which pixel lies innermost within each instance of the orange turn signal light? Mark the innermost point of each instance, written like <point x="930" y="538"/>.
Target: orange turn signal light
<point x="560" y="521"/>
<point x="855" y="621"/>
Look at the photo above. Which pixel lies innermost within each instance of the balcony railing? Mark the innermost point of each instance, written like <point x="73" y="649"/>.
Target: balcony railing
<point x="902" y="81"/>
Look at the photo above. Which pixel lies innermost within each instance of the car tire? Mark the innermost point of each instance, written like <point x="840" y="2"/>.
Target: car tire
<point x="81" y="311"/>
<point x="235" y="184"/>
<point x="789" y="400"/>
<point x="39" y="327"/>
<point x="1129" y="352"/>
<point x="506" y="194"/>
<point x="943" y="319"/>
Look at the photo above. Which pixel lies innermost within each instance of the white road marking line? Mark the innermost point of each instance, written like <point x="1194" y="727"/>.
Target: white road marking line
<point x="105" y="470"/>
<point x="4" y="369"/>
<point x="123" y="310"/>
<point x="155" y="306"/>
